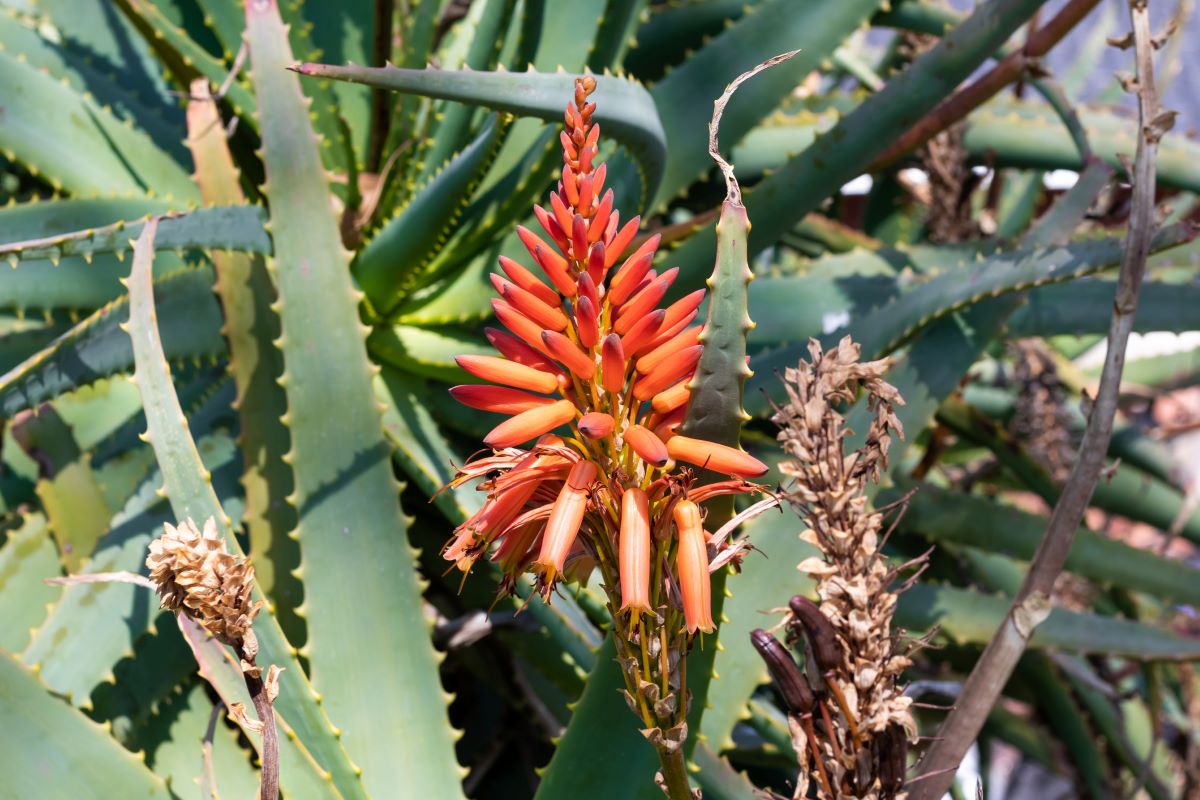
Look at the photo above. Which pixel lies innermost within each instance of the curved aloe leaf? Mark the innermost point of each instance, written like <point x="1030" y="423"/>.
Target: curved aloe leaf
<point x="968" y="617"/>
<point x="188" y="486"/>
<point x="27" y="556"/>
<point x="424" y="351"/>
<point x="684" y="95"/>
<point x="392" y="264"/>
<point x="233" y="227"/>
<point x="1080" y="307"/>
<point x="39" y="729"/>
<point x="627" y="113"/>
<point x="377" y="682"/>
<point x="97" y="347"/>
<point x="91" y="151"/>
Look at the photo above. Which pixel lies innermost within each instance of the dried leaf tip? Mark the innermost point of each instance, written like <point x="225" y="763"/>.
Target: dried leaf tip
<point x="196" y="575"/>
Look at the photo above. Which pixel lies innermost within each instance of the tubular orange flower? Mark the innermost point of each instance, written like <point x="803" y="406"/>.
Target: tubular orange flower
<point x="684" y="308"/>
<point x="499" y="399"/>
<point x="672" y="368"/>
<point x="679" y="341"/>
<point x="670" y="399"/>
<point x="645" y="299"/>
<point x="585" y="321"/>
<point x="691" y="560"/>
<point x="527" y="281"/>
<point x="648" y="446"/>
<point x="641" y="334"/>
<point x="634" y="547"/>
<point x="569" y="354"/>
<point x="612" y="363"/>
<point x="565" y="519"/>
<point x="596" y="425"/>
<point x="514" y="349"/>
<point x="525" y="329"/>
<point x="530" y="424"/>
<point x="509" y="373"/>
<point x="527" y="303"/>
<point x="716" y="457"/>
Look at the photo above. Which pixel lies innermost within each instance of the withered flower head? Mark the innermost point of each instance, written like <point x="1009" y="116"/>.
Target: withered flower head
<point x="196" y="575"/>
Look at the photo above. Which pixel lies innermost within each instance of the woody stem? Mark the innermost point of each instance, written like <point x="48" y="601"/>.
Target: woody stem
<point x="269" y="789"/>
<point x="674" y="772"/>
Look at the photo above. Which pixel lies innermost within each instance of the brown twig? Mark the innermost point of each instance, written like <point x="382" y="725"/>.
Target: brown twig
<point x="1032" y="603"/>
<point x="1010" y="69"/>
<point x="261" y="696"/>
<point x="381" y="103"/>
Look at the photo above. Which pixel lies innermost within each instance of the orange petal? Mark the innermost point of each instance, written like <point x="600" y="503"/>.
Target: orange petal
<point x="667" y="425"/>
<point x="508" y="373"/>
<point x="499" y="399"/>
<point x="679" y="341"/>
<point x="634" y="550"/>
<point x="716" y="457"/>
<point x="528" y="304"/>
<point x="565" y="519"/>
<point x="587" y="288"/>
<point x="586" y="185"/>
<point x="648" y="446"/>
<point x="596" y="425"/>
<point x="612" y="363"/>
<point x="626" y="279"/>
<point x="683" y="307"/>
<point x="645" y="301"/>
<point x="562" y="215"/>
<point x="642" y="333"/>
<point x="672" y="368"/>
<point x="529" y="424"/>
<point x="600" y="218"/>
<point x="579" y="242"/>
<point x="514" y="349"/>
<point x="615" y="247"/>
<point x="570" y="186"/>
<point x="526" y="329"/>
<point x="595" y="263"/>
<point x="550" y="226"/>
<point x="601" y="171"/>
<point x="670" y="399"/>
<point x="585" y="322"/>
<point x="551" y="262"/>
<point x="569" y="354"/>
<point x="527" y="281"/>
<point x="691" y="563"/>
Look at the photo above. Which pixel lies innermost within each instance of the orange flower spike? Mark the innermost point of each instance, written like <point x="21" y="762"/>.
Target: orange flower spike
<point x="508" y="373"/>
<point x="648" y="446"/>
<point x="528" y="304"/>
<point x="640" y="336"/>
<point x="570" y="187"/>
<point x="716" y="457"/>
<point x="498" y="399"/>
<point x="514" y="349"/>
<point x="676" y="397"/>
<point x="630" y="274"/>
<point x="530" y="424"/>
<point x="612" y="363"/>
<point x="634" y="550"/>
<point x="585" y="322"/>
<point x="565" y="518"/>
<point x="672" y="369"/>
<point x="620" y="240"/>
<point x="569" y="149"/>
<point x="645" y="300"/>
<point x="586" y="186"/>
<point x="596" y="425"/>
<point x="678" y="342"/>
<point x="569" y="354"/>
<point x="529" y="282"/>
<point x="691" y="562"/>
<point x="525" y="329"/>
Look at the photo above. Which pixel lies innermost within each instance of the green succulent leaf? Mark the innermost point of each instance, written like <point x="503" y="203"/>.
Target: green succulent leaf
<point x="27" y="557"/>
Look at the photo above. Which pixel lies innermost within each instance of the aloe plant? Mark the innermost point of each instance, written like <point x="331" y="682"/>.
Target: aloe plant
<point x="329" y="187"/>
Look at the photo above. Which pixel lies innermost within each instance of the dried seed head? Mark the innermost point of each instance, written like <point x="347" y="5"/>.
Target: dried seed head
<point x="196" y="575"/>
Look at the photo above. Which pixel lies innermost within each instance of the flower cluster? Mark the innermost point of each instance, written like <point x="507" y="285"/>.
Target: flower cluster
<point x="589" y="350"/>
<point x="852" y="664"/>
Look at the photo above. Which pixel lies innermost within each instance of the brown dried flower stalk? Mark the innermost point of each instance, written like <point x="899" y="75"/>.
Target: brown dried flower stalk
<point x="852" y="661"/>
<point x="196" y="576"/>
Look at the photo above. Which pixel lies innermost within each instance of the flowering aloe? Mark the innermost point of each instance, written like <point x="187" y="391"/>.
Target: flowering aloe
<point x="590" y="353"/>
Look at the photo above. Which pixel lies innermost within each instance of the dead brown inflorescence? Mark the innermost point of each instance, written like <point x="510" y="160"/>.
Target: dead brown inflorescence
<point x="853" y="722"/>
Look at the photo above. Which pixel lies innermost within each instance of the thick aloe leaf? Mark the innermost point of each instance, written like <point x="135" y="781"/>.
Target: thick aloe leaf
<point x="90" y="150"/>
<point x="1082" y="307"/>
<point x="625" y="109"/>
<point x="94" y="625"/>
<point x="27" y="556"/>
<point x="181" y="725"/>
<point x="392" y="264"/>
<point x="968" y="617"/>
<point x="23" y="336"/>
<point x="1057" y="224"/>
<point x="767" y="579"/>
<point x="181" y="55"/>
<point x="299" y="774"/>
<point x="25" y="35"/>
<point x="943" y="515"/>
<point x="251" y="328"/>
<point x="425" y="351"/>
<point x="670" y="31"/>
<point x="719" y="780"/>
<point x="765" y="29"/>
<point x="380" y="683"/>
<point x="1029" y="134"/>
<point x="48" y="749"/>
<point x="56" y="216"/>
<point x="345" y="33"/>
<point x="187" y="483"/>
<point x="788" y="195"/>
<point x="97" y="347"/>
<point x="886" y="327"/>
<point x="234" y="227"/>
<point x="225" y="19"/>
